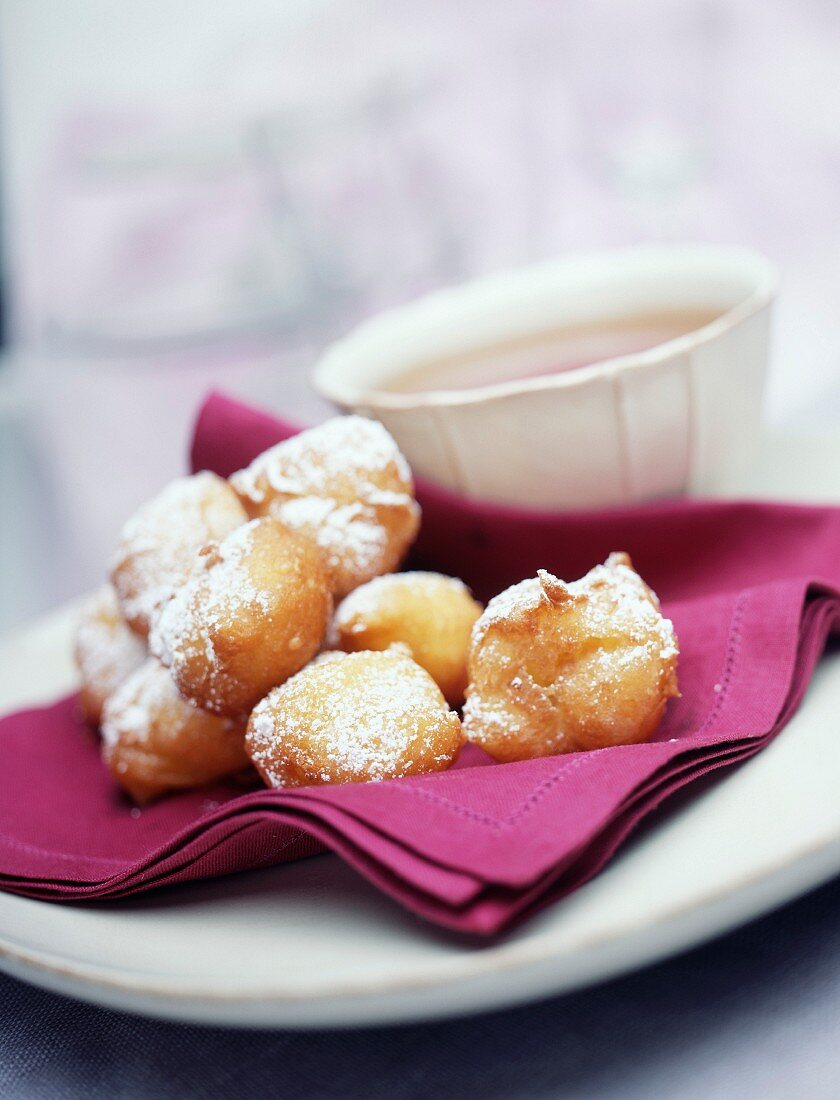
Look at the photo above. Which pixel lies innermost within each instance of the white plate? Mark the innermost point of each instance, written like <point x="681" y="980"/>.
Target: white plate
<point x="312" y="945"/>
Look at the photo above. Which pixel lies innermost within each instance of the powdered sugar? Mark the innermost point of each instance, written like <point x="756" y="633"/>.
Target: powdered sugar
<point x="366" y="600"/>
<point x="344" y="530"/>
<point x="132" y="710"/>
<point x="305" y="511"/>
<point x="570" y="666"/>
<point x="186" y="625"/>
<point x="107" y="651"/>
<point x="621" y="603"/>
<point x="340" y="445"/>
<point x="386" y="498"/>
<point x="154" y="740"/>
<point x="365" y="716"/>
<point x="157" y="546"/>
<point x="337" y="483"/>
<point x="482" y="714"/>
<point x="613" y="599"/>
<point x="515" y="602"/>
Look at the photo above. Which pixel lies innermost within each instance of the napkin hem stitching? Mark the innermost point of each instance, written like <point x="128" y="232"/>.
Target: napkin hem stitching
<point x="496" y="823"/>
<point x="539" y="792"/>
<point x="733" y="645"/>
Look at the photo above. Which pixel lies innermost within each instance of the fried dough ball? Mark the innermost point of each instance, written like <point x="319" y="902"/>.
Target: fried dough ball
<point x="154" y="741"/>
<point x="157" y="546"/>
<point x="346" y="485"/>
<point x="253" y="612"/>
<point x="430" y="613"/>
<point x="560" y="667"/>
<point x="352" y="718"/>
<point x="106" y="652"/>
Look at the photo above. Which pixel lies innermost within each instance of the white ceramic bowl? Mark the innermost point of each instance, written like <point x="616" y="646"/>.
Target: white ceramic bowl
<point x="683" y="416"/>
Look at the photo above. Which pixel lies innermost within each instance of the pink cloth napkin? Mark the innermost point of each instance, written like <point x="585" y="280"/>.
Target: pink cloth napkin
<point x="752" y="590"/>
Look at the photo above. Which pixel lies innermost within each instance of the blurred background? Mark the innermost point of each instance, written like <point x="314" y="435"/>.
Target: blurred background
<point x="205" y="195"/>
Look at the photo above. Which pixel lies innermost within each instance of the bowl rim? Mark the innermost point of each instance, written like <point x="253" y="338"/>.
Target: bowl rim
<point x="329" y="374"/>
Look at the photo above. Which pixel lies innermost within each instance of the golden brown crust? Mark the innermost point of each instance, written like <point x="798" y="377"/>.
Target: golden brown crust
<point x="155" y="742"/>
<point x="157" y="545"/>
<point x="430" y="613"/>
<point x="353" y="718"/>
<point x="253" y="612"/>
<point x="106" y="652"/>
<point x="345" y="485"/>
<point x="558" y="667"/>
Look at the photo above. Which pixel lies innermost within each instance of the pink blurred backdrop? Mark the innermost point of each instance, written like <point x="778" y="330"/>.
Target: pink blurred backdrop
<point x="201" y="196"/>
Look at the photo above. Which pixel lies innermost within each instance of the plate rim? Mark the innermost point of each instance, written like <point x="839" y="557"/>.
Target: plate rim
<point x="540" y="968"/>
<point x="600" y="959"/>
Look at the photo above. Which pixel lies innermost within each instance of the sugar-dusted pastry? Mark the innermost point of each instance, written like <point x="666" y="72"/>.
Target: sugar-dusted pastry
<point x="352" y="718"/>
<point x="106" y="652"/>
<point x="154" y="741"/>
<point x="346" y="485"/>
<point x="560" y="667"/>
<point x="252" y="613"/>
<point x="430" y="613"/>
<point x="157" y="546"/>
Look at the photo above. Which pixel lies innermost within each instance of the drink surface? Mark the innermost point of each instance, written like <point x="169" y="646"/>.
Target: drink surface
<point x="571" y="348"/>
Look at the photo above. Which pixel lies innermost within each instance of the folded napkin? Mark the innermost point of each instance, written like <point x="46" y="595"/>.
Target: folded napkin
<point x="753" y="592"/>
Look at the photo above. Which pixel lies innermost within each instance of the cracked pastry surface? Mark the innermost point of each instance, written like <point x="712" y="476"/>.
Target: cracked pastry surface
<point x="558" y="667"/>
